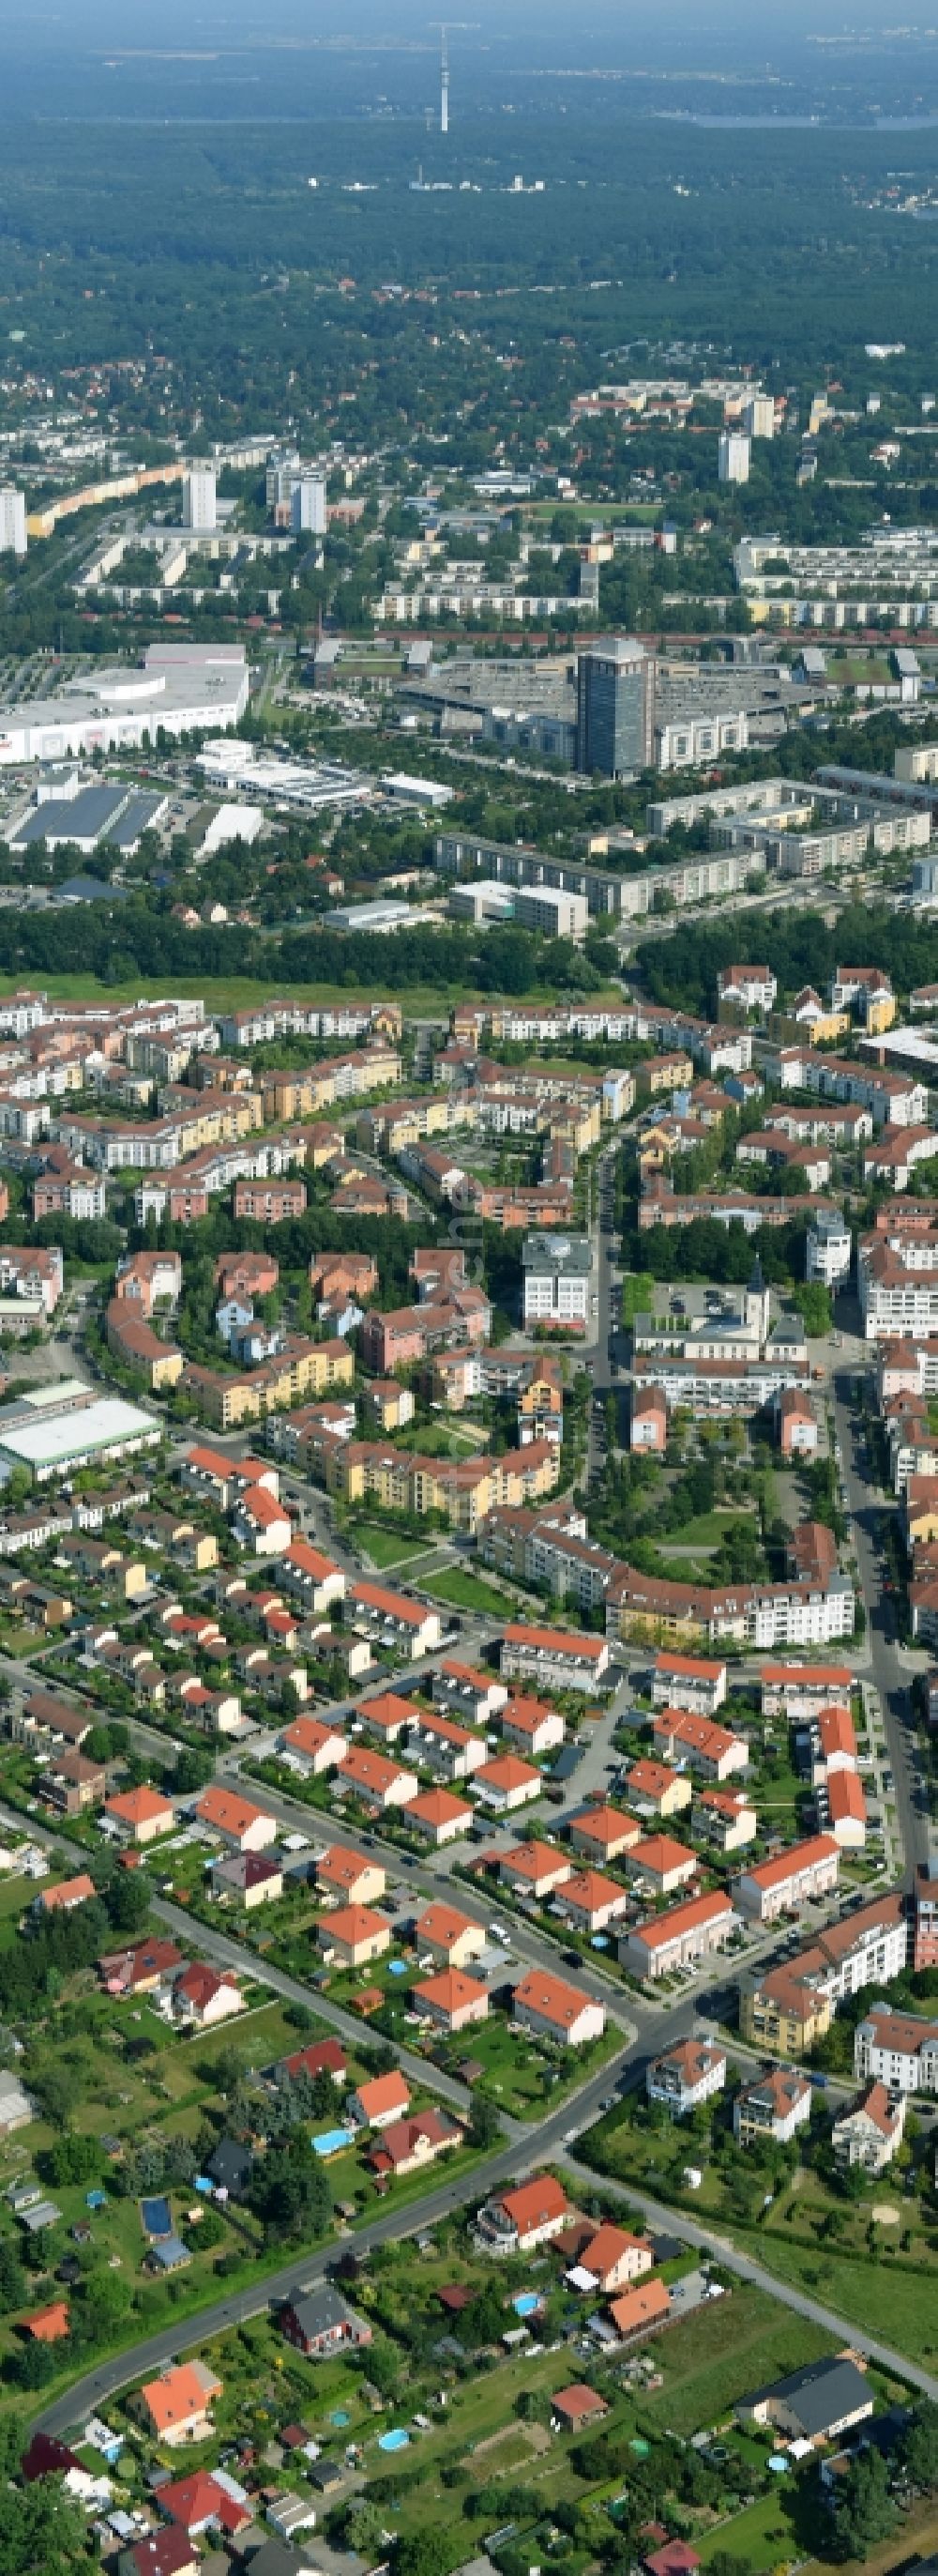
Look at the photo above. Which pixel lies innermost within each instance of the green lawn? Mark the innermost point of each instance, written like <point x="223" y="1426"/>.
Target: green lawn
<point x="237" y="992"/>
<point x="708" y="1530"/>
<point x="760" y="2535"/>
<point x="438" y="1440"/>
<point x="730" y="2345"/>
<point x="16" y="1896"/>
<point x="638" y="1295"/>
<point x="385" y="1546"/>
<point x="514" y="2070"/>
<point x="901" y="2291"/>
<point x="467" y="1592"/>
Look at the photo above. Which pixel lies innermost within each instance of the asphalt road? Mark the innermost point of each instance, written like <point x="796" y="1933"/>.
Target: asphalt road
<point x="882" y="1659"/>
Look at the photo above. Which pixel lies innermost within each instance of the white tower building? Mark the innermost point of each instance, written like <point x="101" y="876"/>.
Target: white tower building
<point x="759" y="416"/>
<point x="733" y="464"/>
<point x="12" y="521"/>
<point x="308" y="505"/>
<point x="198" y="500"/>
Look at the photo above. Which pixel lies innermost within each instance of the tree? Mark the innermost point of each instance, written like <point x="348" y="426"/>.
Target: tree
<point x="534" y="2406"/>
<point x="383" y="2366"/>
<point x="13" y="2437"/>
<point x="362" y="2526"/>
<point x="485" y="2125"/>
<point x="12" y="2276"/>
<point x="102" y="2309"/>
<point x="194" y="1767"/>
<point x="299" y="2017"/>
<point x="865" y="2509"/>
<point x="291" y="2194"/>
<point x="419" y="2556"/>
<point x="128" y="1902"/>
<point x="42" y="2527"/>
<point x="485" y="2316"/>
<point x="58" y="2088"/>
<point x="225" y="2072"/>
<point x="71" y="2160"/>
<point x="918" y="2447"/>
<point x="32" y="2365"/>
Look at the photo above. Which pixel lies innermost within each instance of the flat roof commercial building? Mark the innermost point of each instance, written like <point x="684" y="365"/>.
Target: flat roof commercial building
<point x="96" y="814"/>
<point x="299" y="786"/>
<point x="176" y="689"/>
<point x="56" y="1431"/>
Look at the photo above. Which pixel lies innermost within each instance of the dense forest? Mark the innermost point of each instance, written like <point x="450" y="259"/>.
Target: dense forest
<point x="206" y="245"/>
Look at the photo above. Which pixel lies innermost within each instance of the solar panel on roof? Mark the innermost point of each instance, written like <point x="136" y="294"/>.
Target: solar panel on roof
<point x="137" y="818"/>
<point x="85" y="817"/>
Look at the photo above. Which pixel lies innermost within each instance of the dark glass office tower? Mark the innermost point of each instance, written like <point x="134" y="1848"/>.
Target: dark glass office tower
<point x="615" y="709"/>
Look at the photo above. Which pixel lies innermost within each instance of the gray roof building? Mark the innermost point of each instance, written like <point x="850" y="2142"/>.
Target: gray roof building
<point x="319" y="2320"/>
<point x="812" y="2404"/>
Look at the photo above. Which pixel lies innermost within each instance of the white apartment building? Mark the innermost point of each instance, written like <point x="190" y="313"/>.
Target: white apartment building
<point x="775" y="2107"/>
<point x="574" y="1568"/>
<point x="553" y="1658"/>
<point x="683" y="741"/>
<point x="558" y="1271"/>
<point x="688" y="1682"/>
<point x="898" y="2050"/>
<point x="686" y="2076"/>
<point x="828" y="1247"/>
<point x="759" y="416"/>
<point x="870" y="2134"/>
<point x="800" y="1614"/>
<point x="549" y="909"/>
<point x="747" y="988"/>
<point x="897" y="1302"/>
<point x="308" y="505"/>
<point x="678" y="1938"/>
<point x="892" y="573"/>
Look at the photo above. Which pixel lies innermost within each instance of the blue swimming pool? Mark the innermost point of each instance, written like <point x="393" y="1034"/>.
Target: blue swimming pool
<point x="525" y="2303"/>
<point x="397" y="1967"/>
<point x="330" y="2142"/>
<point x="396" y="2441"/>
<point x="156" y="2216"/>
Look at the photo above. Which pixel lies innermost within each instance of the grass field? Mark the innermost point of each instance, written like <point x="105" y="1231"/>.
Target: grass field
<point x="759" y="2536"/>
<point x="437" y="1440"/>
<point x="723" y="2349"/>
<point x="708" y="1530"/>
<point x="900" y="2290"/>
<point x="467" y="1592"/>
<point x="385" y="1546"/>
<point x="638" y="1295"/>
<point x="239" y="992"/>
